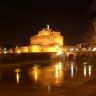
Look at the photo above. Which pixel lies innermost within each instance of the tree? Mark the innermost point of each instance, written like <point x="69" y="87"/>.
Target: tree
<point x="90" y="33"/>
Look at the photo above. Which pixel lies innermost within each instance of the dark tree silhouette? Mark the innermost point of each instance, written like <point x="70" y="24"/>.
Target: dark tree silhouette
<point x="90" y="34"/>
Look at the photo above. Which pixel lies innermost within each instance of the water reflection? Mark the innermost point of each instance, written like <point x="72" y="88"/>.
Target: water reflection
<point x="90" y="70"/>
<point x="34" y="72"/>
<point x="58" y="73"/>
<point x="72" y="69"/>
<point x="17" y="71"/>
<point x="47" y="75"/>
<point x="49" y="90"/>
<point x="54" y="74"/>
<point x="87" y="70"/>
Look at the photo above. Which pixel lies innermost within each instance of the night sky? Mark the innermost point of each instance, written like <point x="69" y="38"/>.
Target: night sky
<point x="20" y="20"/>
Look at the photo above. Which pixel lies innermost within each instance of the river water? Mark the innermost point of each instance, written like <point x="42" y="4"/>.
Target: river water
<point x="44" y="76"/>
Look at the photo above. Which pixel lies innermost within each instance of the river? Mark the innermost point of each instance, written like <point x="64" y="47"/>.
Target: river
<point x="56" y="78"/>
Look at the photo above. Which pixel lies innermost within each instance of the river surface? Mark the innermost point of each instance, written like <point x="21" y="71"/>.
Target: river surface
<point x="43" y="78"/>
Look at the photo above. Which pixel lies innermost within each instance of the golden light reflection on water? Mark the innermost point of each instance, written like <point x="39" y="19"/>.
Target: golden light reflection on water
<point x="48" y="75"/>
<point x="90" y="70"/>
<point x="34" y="72"/>
<point x="87" y="70"/>
<point x="73" y="68"/>
<point x="17" y="75"/>
<point x="58" y="73"/>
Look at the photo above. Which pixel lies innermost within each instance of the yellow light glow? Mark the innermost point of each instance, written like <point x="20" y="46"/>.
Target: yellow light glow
<point x="85" y="70"/>
<point x="94" y="49"/>
<point x="59" y="52"/>
<point x="85" y="63"/>
<point x="36" y="48"/>
<point x="60" y="66"/>
<point x="76" y="49"/>
<point x="34" y="72"/>
<point x="17" y="75"/>
<point x="90" y="70"/>
<point x="5" y="52"/>
<point x="18" y="52"/>
<point x="72" y="70"/>
<point x="58" y="73"/>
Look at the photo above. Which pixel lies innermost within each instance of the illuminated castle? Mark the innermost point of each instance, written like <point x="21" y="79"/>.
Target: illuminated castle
<point x="45" y="41"/>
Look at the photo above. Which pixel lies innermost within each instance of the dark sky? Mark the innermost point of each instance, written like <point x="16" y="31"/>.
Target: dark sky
<point x="20" y="20"/>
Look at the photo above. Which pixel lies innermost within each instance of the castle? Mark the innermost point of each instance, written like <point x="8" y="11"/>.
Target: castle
<point x="46" y="40"/>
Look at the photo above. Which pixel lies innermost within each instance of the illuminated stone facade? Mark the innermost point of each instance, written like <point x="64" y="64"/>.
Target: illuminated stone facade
<point x="45" y="41"/>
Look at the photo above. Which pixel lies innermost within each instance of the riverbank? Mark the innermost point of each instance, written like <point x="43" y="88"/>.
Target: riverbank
<point x="86" y="89"/>
<point x="25" y="57"/>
